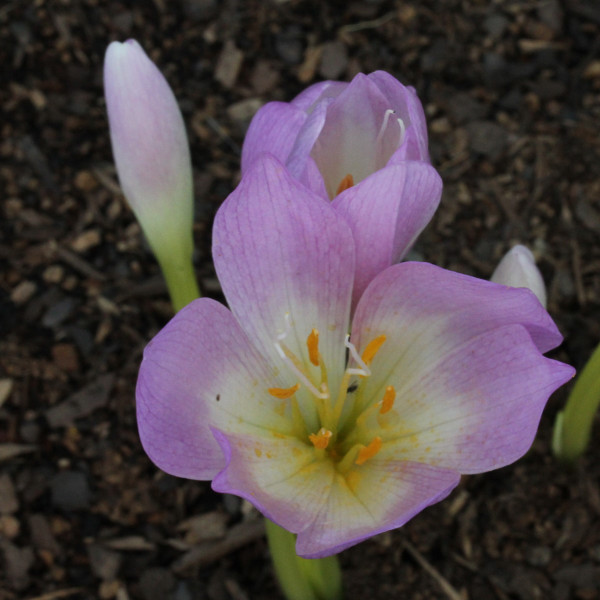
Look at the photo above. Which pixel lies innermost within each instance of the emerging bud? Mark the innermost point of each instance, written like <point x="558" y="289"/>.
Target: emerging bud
<point x="152" y="156"/>
<point x="517" y="269"/>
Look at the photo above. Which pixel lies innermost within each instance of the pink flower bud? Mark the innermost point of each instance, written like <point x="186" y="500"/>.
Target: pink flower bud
<point x="150" y="148"/>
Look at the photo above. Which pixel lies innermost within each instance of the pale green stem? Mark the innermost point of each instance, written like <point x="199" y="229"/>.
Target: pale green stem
<point x="573" y="425"/>
<point x="302" y="578"/>
<point x="181" y="280"/>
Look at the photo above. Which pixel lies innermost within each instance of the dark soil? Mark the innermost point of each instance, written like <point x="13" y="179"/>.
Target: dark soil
<point x="512" y="94"/>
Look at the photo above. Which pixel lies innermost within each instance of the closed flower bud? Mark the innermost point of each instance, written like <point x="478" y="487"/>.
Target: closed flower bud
<point x="517" y="269"/>
<point x="152" y="155"/>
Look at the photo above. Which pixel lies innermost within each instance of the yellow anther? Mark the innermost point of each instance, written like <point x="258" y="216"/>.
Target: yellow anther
<point x="346" y="183"/>
<point x="388" y="399"/>
<point x="367" y="452"/>
<point x="372" y="349"/>
<point x="312" y="342"/>
<point x="284" y="393"/>
<point x="320" y="439"/>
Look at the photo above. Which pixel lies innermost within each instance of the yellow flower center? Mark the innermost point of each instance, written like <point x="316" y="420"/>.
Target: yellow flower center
<point x="353" y="440"/>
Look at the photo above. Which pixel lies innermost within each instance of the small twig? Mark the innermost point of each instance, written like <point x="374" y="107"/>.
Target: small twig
<point x="107" y="181"/>
<point x="209" y="552"/>
<point x="373" y="24"/>
<point x="448" y="589"/>
<point x="58" y="594"/>
<point x="79" y="264"/>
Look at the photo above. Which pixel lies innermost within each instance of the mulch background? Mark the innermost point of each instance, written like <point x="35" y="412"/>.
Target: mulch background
<point x="512" y="94"/>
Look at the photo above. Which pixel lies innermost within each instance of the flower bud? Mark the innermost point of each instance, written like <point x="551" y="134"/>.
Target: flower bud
<point x="151" y="152"/>
<point x="517" y="269"/>
<point x="363" y="146"/>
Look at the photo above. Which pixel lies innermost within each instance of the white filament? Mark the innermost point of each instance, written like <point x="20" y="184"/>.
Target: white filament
<point x="299" y="374"/>
<point x="384" y="124"/>
<point x="364" y="370"/>
<point x="290" y="363"/>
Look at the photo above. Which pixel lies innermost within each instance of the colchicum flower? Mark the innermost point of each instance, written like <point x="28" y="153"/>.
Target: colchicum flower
<point x="152" y="156"/>
<point x="517" y="269"/>
<point x="332" y="436"/>
<point x="362" y="145"/>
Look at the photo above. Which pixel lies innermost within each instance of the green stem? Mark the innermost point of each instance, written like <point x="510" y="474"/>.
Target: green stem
<point x="301" y="578"/>
<point x="181" y="281"/>
<point x="573" y="426"/>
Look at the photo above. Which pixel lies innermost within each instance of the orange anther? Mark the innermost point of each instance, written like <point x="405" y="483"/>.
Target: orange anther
<point x="312" y="342"/>
<point x="284" y="393"/>
<point x="320" y="439"/>
<point x="367" y="452"/>
<point x="372" y="349"/>
<point x="388" y="399"/>
<point x="345" y="183"/>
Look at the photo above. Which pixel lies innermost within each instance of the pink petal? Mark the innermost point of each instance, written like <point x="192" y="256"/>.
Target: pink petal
<point x="476" y="407"/>
<point x="280" y="476"/>
<point x="308" y="97"/>
<point x="406" y="103"/>
<point x="464" y="357"/>
<point x="463" y="306"/>
<point x="273" y="129"/>
<point x="387" y="211"/>
<point x="278" y="250"/>
<point x="200" y="371"/>
<point x="303" y="144"/>
<point x="347" y="142"/>
<point x="382" y="495"/>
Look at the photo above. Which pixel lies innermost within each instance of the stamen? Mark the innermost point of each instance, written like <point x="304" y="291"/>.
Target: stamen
<point x="294" y="364"/>
<point x="364" y="369"/>
<point x="372" y="349"/>
<point x="388" y="399"/>
<point x="320" y="439"/>
<point x="367" y="452"/>
<point x="312" y="342"/>
<point x="384" y="124"/>
<point x="346" y="183"/>
<point x="284" y="393"/>
<point x="402" y="132"/>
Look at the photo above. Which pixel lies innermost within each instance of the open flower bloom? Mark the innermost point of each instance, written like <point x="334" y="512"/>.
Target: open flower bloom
<point x="337" y="437"/>
<point x="362" y="145"/>
<point x="151" y="149"/>
<point x="517" y="269"/>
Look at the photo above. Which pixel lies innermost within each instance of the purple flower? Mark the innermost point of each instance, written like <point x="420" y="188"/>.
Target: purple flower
<point x="362" y="145"/>
<point x="338" y="438"/>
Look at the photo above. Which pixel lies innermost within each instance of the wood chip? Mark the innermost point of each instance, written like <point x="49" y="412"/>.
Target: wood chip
<point x="23" y="292"/>
<point x="6" y="386"/>
<point x="229" y="65"/>
<point x="201" y="528"/>
<point x="308" y="68"/>
<point x="132" y="543"/>
<point x="86" y="240"/>
<point x="10" y="450"/>
<point x="592" y="70"/>
<point x="82" y="403"/>
<point x="209" y="552"/>
<point x="65" y="357"/>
